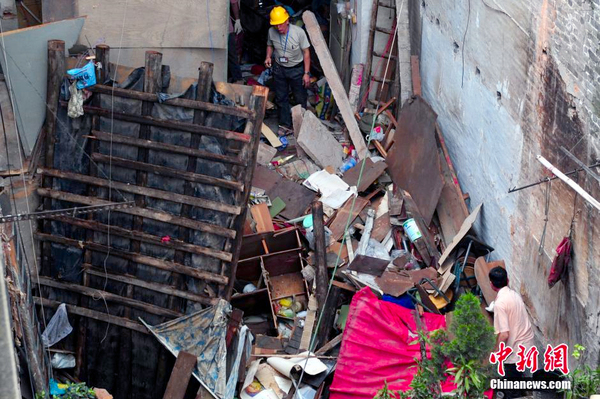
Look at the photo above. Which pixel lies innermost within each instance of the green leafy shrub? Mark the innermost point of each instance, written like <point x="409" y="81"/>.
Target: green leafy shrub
<point x="585" y="381"/>
<point x="468" y="352"/>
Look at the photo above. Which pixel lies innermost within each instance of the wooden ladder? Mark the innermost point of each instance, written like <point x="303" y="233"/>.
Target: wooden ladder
<point x="383" y="84"/>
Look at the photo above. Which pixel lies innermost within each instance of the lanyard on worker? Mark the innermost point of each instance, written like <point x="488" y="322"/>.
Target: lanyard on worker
<point x="286" y="39"/>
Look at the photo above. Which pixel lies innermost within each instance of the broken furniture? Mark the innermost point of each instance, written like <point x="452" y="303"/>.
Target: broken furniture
<point x="272" y="262"/>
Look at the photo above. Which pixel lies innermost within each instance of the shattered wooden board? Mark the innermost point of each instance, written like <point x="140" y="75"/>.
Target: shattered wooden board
<point x="297" y="198"/>
<point x="27" y="66"/>
<point x="413" y="160"/>
<point x="338" y="225"/>
<point x="466" y="226"/>
<point x="260" y="214"/>
<point x="265" y="178"/>
<point x="381" y="227"/>
<point x="394" y="283"/>
<point x="451" y="208"/>
<point x="371" y="172"/>
<point x="368" y="265"/>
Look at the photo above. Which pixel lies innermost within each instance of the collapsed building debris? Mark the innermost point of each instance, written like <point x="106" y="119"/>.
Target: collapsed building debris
<point x="182" y="233"/>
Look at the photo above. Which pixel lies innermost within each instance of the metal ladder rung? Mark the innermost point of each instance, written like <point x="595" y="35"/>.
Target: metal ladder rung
<point x="381" y="80"/>
<point x="383" y="30"/>
<point x="380" y="55"/>
<point x="392" y="6"/>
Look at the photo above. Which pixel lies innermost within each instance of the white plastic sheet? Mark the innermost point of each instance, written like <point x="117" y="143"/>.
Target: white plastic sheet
<point x="58" y="327"/>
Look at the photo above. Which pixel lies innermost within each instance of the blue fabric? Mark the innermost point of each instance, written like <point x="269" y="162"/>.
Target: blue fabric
<point x="403" y="300"/>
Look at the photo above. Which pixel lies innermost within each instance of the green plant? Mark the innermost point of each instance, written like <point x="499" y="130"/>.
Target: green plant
<point x="585" y="381"/>
<point x="469" y="349"/>
<point x="467" y="353"/>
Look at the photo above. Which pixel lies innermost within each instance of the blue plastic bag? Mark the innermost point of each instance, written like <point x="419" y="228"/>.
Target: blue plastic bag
<point x="85" y="76"/>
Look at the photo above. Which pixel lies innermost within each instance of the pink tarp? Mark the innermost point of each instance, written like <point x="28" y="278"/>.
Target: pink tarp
<point x="378" y="345"/>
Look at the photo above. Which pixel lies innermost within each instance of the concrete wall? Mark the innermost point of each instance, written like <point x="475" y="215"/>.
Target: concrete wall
<point x="511" y="80"/>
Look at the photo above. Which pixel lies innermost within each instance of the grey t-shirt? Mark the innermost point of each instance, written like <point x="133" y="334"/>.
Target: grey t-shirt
<point x="296" y="42"/>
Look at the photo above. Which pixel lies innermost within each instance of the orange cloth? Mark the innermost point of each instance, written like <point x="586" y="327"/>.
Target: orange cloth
<point x="510" y="315"/>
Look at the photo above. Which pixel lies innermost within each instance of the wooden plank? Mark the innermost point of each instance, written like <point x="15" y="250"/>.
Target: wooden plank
<point x="203" y="93"/>
<point x="145" y="191"/>
<point x="413" y="161"/>
<point x="330" y="345"/>
<point x="322" y="277"/>
<point x="416" y="75"/>
<point x="143" y="212"/>
<point x="177" y="102"/>
<point x="180" y="376"/>
<point x="107" y="296"/>
<point x="297" y="198"/>
<point x="260" y="214"/>
<point x="147" y="260"/>
<point x="92" y="314"/>
<point x="272" y="137"/>
<point x="258" y="102"/>
<point x="466" y="226"/>
<point x="338" y="225"/>
<point x="337" y="87"/>
<point x="371" y="172"/>
<point x="165" y="147"/>
<point x="168" y="172"/>
<point x="171" y="243"/>
<point x="168" y="124"/>
<point x="165" y="289"/>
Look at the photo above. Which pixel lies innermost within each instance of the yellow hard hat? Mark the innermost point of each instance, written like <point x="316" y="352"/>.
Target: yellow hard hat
<point x="279" y="15"/>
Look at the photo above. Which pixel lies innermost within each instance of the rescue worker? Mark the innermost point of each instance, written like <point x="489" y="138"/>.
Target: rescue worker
<point x="511" y="325"/>
<point x="289" y="55"/>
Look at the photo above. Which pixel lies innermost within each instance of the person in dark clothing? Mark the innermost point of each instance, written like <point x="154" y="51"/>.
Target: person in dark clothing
<point x="289" y="55"/>
<point x="235" y="28"/>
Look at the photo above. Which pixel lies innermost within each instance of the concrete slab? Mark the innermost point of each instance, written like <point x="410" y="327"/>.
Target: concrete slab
<point x="318" y="143"/>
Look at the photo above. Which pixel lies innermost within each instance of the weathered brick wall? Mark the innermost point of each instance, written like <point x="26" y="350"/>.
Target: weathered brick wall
<point x="511" y="80"/>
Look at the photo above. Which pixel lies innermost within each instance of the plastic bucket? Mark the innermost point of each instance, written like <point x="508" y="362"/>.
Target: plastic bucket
<point x="412" y="230"/>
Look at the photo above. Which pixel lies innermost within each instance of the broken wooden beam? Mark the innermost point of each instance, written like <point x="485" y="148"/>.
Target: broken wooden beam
<point x="144" y="259"/>
<point x="330" y="345"/>
<point x="322" y="279"/>
<point x="165" y="147"/>
<point x="107" y="296"/>
<point x="168" y="124"/>
<point x="177" y="102"/>
<point x="335" y="83"/>
<point x="180" y="376"/>
<point x="165" y="289"/>
<point x="92" y="314"/>
<point x="168" y="172"/>
<point x="144" y="212"/>
<point x="171" y="242"/>
<point x="145" y="191"/>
